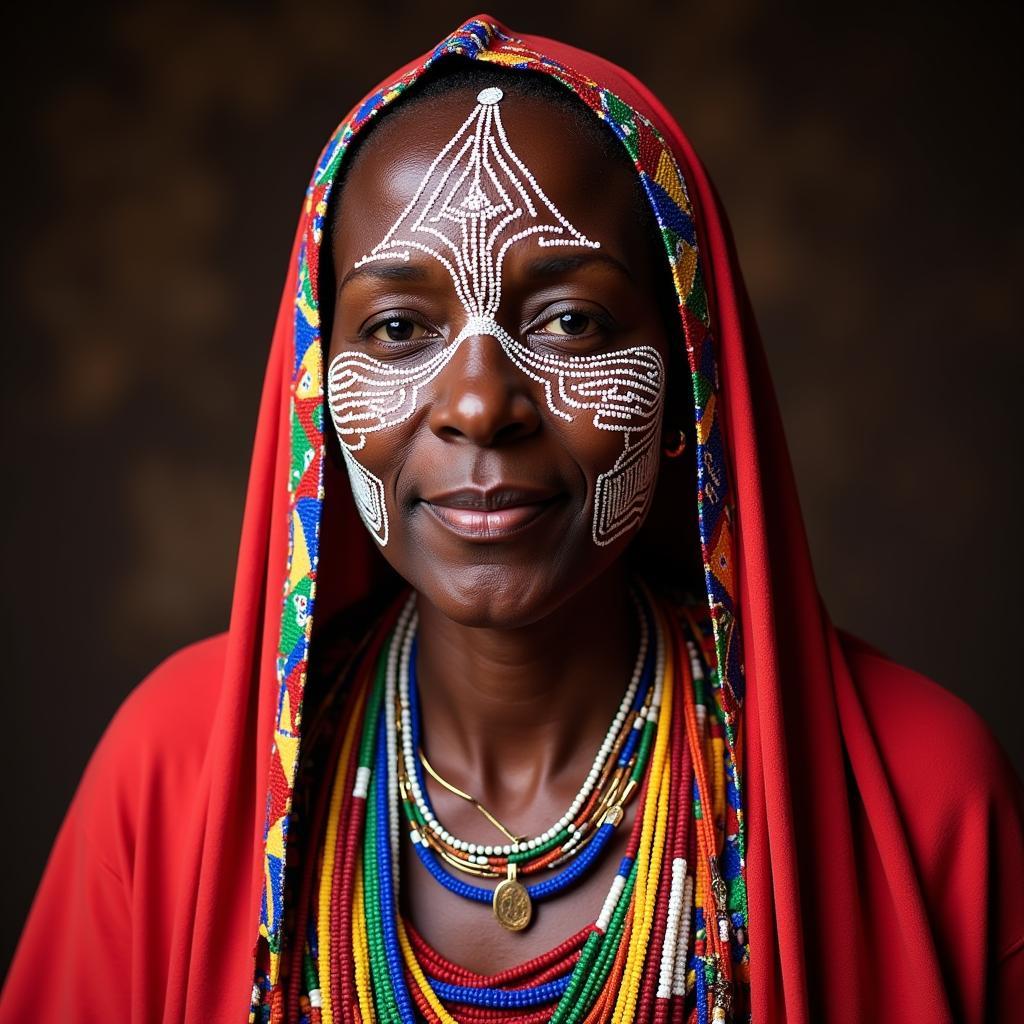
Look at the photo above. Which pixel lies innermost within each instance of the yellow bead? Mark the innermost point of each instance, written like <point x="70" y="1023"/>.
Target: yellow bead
<point x="360" y="949"/>
<point x="652" y="842"/>
<point x="409" y="955"/>
<point x="341" y="785"/>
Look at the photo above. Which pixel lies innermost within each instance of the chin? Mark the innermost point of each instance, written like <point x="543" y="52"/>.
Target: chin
<point x="493" y="595"/>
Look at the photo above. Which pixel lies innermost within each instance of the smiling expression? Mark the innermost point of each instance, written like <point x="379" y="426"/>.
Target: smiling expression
<point x="496" y="370"/>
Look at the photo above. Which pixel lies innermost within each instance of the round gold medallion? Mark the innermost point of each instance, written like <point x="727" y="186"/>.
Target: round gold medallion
<point x="512" y="905"/>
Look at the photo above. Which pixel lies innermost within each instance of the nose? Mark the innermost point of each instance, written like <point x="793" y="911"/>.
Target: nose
<point x="481" y="396"/>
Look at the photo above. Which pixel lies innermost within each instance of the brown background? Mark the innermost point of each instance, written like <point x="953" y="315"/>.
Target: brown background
<point x="157" y="159"/>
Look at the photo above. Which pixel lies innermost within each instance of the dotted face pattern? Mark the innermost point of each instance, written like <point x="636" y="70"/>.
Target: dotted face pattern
<point x="476" y="200"/>
<point x="481" y="39"/>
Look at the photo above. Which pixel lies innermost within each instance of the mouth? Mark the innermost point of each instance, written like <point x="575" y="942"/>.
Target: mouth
<point x="491" y="515"/>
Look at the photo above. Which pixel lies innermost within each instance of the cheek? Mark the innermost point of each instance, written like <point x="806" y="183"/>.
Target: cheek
<point x="370" y="402"/>
<point x="386" y="452"/>
<point x="624" y="408"/>
<point x="604" y="414"/>
<point x="627" y="457"/>
<point x="593" y="449"/>
<point x="382" y="450"/>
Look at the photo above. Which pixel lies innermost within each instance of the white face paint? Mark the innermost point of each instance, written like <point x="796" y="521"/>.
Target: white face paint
<point x="476" y="200"/>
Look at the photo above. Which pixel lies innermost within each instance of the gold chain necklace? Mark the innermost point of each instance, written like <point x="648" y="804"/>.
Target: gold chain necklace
<point x="471" y="799"/>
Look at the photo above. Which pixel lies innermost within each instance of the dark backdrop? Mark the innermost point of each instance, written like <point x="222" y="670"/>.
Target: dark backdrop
<point x="157" y="158"/>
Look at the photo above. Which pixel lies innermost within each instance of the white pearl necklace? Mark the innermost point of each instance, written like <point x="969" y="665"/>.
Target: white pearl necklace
<point x="405" y="632"/>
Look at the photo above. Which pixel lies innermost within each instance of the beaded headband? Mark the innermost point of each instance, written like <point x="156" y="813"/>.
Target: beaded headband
<point x="476" y="200"/>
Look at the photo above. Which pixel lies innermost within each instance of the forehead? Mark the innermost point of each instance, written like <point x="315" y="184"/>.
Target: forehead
<point x="593" y="190"/>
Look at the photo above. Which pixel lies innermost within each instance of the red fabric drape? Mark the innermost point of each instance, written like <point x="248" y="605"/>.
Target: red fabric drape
<point x="884" y="823"/>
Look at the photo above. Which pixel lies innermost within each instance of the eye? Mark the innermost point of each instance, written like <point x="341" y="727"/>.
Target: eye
<point x="398" y="328"/>
<point x="569" y="324"/>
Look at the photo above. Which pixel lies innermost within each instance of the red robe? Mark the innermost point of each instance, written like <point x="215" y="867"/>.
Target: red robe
<point x="884" y="823"/>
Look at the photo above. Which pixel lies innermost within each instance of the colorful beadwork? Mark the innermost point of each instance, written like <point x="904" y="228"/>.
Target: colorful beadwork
<point x="574" y="843"/>
<point x="631" y="964"/>
<point x="585" y="827"/>
<point x="664" y="185"/>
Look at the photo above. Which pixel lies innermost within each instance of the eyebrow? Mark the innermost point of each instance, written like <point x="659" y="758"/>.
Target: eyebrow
<point x="387" y="272"/>
<point x="551" y="266"/>
<point x="545" y="266"/>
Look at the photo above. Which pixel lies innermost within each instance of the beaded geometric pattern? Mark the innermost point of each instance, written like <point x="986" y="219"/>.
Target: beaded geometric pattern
<point x="664" y="185"/>
<point x="475" y="201"/>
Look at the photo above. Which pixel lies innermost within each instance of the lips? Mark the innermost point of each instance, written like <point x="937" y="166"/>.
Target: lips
<point x="490" y="514"/>
<point x="490" y="499"/>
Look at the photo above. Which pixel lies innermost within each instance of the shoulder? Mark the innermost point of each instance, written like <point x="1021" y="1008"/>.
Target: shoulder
<point x="151" y="752"/>
<point x="932" y="739"/>
<point x="958" y="799"/>
<point x="103" y="912"/>
<point x="191" y="671"/>
<point x="170" y="709"/>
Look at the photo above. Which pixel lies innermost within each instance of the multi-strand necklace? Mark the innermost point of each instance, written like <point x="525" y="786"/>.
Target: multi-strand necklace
<point x="669" y="943"/>
<point x="573" y="842"/>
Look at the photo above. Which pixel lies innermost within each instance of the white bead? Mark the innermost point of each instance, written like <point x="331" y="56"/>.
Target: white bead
<point x="625" y="389"/>
<point x="670" y="943"/>
<point x="603" y="919"/>
<point x="406" y="633"/>
<point x="362" y="783"/>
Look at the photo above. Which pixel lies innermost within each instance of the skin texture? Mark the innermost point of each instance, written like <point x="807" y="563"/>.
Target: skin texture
<point x="526" y="641"/>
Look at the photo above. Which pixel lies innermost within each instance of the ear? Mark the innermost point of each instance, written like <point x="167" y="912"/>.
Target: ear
<point x="673" y="441"/>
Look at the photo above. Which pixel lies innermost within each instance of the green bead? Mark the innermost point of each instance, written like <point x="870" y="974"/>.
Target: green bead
<point x="309" y="972"/>
<point x="380" y="978"/>
<point x="595" y="963"/>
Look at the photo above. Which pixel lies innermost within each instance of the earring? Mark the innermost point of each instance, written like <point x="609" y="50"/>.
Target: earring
<point x="678" y="449"/>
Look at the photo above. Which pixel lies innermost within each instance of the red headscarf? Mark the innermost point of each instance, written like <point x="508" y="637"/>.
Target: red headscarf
<point x="883" y="823"/>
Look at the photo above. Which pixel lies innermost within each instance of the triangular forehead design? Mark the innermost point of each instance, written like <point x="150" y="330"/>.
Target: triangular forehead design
<point x="476" y="199"/>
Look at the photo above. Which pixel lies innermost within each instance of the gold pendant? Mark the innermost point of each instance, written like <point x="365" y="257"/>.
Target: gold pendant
<point x="511" y="903"/>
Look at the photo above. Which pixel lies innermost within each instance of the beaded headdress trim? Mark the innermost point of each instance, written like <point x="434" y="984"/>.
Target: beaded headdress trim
<point x="480" y="39"/>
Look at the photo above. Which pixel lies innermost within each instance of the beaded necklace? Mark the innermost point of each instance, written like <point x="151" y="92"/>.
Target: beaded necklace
<point x="665" y="946"/>
<point x="576" y="839"/>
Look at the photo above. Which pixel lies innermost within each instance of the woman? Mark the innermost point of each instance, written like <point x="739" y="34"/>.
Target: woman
<point x="513" y="349"/>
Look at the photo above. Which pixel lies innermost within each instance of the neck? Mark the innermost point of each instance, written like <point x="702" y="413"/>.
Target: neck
<point x="510" y="713"/>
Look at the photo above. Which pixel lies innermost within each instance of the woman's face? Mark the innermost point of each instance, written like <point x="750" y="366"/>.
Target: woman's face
<point x="496" y="369"/>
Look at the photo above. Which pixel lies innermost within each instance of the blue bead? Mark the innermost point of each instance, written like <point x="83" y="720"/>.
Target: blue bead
<point x="702" y="995"/>
<point x="646" y="681"/>
<point x="388" y="903"/>
<point x="501" y="997"/>
<point x="575" y="868"/>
